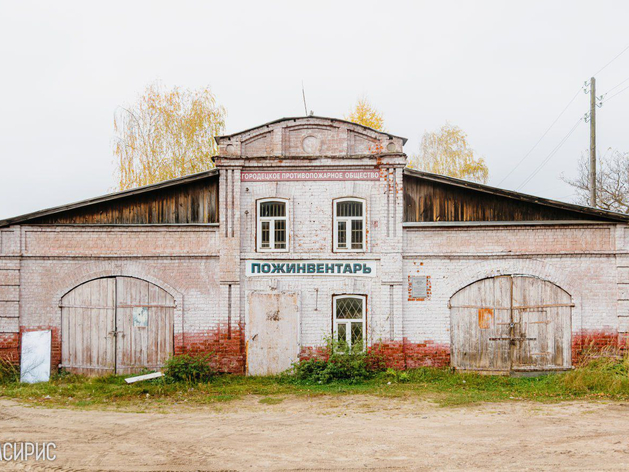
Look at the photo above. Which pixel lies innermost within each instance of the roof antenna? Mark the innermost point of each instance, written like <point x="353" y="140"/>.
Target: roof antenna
<point x="303" y="93"/>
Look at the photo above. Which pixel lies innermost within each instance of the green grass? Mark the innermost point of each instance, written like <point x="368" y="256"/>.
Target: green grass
<point x="606" y="378"/>
<point x="271" y="400"/>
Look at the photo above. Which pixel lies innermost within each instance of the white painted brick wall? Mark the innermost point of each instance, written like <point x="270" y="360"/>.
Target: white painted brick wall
<point x="589" y="276"/>
<point x="311" y="227"/>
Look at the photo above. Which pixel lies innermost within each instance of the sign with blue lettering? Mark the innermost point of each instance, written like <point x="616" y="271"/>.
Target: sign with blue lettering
<point x="315" y="267"/>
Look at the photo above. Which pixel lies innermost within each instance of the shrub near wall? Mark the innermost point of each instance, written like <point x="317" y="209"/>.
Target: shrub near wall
<point x="9" y="372"/>
<point x="187" y="368"/>
<point x="338" y="363"/>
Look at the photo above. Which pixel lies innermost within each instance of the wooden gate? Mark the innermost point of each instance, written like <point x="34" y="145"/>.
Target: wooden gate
<point x="272" y="332"/>
<point x="511" y="323"/>
<point x="116" y="325"/>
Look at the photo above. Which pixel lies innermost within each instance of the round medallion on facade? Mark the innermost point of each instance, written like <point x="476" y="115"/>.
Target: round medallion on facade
<point x="391" y="147"/>
<point x="229" y="149"/>
<point x="311" y="145"/>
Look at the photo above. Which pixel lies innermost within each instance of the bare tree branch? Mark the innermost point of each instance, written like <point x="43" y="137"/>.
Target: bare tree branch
<point x="612" y="181"/>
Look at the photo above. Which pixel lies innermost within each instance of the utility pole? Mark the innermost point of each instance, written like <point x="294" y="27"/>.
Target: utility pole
<point x="593" y="142"/>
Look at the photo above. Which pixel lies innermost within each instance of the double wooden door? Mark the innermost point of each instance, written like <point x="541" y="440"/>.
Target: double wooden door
<point x="511" y="323"/>
<point x="116" y="325"/>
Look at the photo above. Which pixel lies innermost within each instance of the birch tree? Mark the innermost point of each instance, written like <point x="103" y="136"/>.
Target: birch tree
<point x="447" y="152"/>
<point x="366" y="114"/>
<point x="166" y="134"/>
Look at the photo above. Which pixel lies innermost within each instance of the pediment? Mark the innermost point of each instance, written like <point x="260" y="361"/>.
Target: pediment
<point x="258" y="145"/>
<point x="308" y="136"/>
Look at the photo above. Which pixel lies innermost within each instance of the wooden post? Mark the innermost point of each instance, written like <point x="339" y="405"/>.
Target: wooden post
<point x="593" y="142"/>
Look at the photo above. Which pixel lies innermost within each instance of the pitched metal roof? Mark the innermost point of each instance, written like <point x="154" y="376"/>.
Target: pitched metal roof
<point x="295" y="118"/>
<point x="108" y="197"/>
<point x="443" y="179"/>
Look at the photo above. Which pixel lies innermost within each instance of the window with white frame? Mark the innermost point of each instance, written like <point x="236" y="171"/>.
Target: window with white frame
<point x="349" y="225"/>
<point x="349" y="321"/>
<point x="272" y="225"/>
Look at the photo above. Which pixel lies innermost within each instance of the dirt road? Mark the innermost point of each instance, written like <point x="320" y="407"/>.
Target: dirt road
<point x="338" y="433"/>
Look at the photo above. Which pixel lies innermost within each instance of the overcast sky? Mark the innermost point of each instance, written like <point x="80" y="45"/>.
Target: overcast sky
<point x="502" y="71"/>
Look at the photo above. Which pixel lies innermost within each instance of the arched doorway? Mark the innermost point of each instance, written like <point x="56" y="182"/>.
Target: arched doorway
<point x="116" y="325"/>
<point x="511" y="323"/>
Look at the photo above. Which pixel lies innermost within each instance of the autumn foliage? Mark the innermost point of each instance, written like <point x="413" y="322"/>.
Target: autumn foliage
<point x="447" y="152"/>
<point x="365" y="114"/>
<point x="166" y="134"/>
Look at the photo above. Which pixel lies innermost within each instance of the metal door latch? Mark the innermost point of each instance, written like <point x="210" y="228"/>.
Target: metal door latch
<point x="513" y="339"/>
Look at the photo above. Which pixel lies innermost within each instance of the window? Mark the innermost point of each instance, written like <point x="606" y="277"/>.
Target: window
<point x="349" y="225"/>
<point x="272" y="225"/>
<point x="349" y="320"/>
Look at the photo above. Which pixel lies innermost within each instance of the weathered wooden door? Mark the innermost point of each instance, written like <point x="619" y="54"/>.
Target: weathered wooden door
<point x="144" y="324"/>
<point x="272" y="332"/>
<point x="88" y="327"/>
<point x="509" y="323"/>
<point x="542" y="318"/>
<point x="116" y="325"/>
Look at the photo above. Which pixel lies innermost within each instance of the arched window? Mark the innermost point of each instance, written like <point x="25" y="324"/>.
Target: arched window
<point x="349" y="225"/>
<point x="272" y="225"/>
<point x="349" y="321"/>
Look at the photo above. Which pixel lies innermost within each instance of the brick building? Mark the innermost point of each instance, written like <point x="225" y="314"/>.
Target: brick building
<point x="311" y="228"/>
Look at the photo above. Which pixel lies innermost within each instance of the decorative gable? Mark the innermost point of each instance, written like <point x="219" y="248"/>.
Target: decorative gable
<point x="311" y="140"/>
<point x="258" y="145"/>
<point x="309" y="136"/>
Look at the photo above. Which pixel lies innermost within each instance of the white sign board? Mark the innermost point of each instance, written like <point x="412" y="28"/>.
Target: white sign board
<point x="326" y="268"/>
<point x="140" y="316"/>
<point x="35" y="360"/>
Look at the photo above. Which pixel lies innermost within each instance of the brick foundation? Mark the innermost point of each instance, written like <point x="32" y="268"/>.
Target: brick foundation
<point x="408" y="355"/>
<point x="226" y="348"/>
<point x="310" y="352"/>
<point x="589" y="344"/>
<point x="10" y="347"/>
<point x="399" y="355"/>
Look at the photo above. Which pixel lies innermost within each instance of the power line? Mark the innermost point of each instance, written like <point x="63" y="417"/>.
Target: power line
<point x="563" y="111"/>
<point x="550" y="155"/>
<point x="540" y="139"/>
<point x="617" y="93"/>
<point x="561" y="114"/>
<point x="615" y="86"/>
<point x="619" y="54"/>
<point x="573" y="194"/>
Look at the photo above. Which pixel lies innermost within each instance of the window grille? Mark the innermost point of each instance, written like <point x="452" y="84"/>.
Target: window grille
<point x="349" y="321"/>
